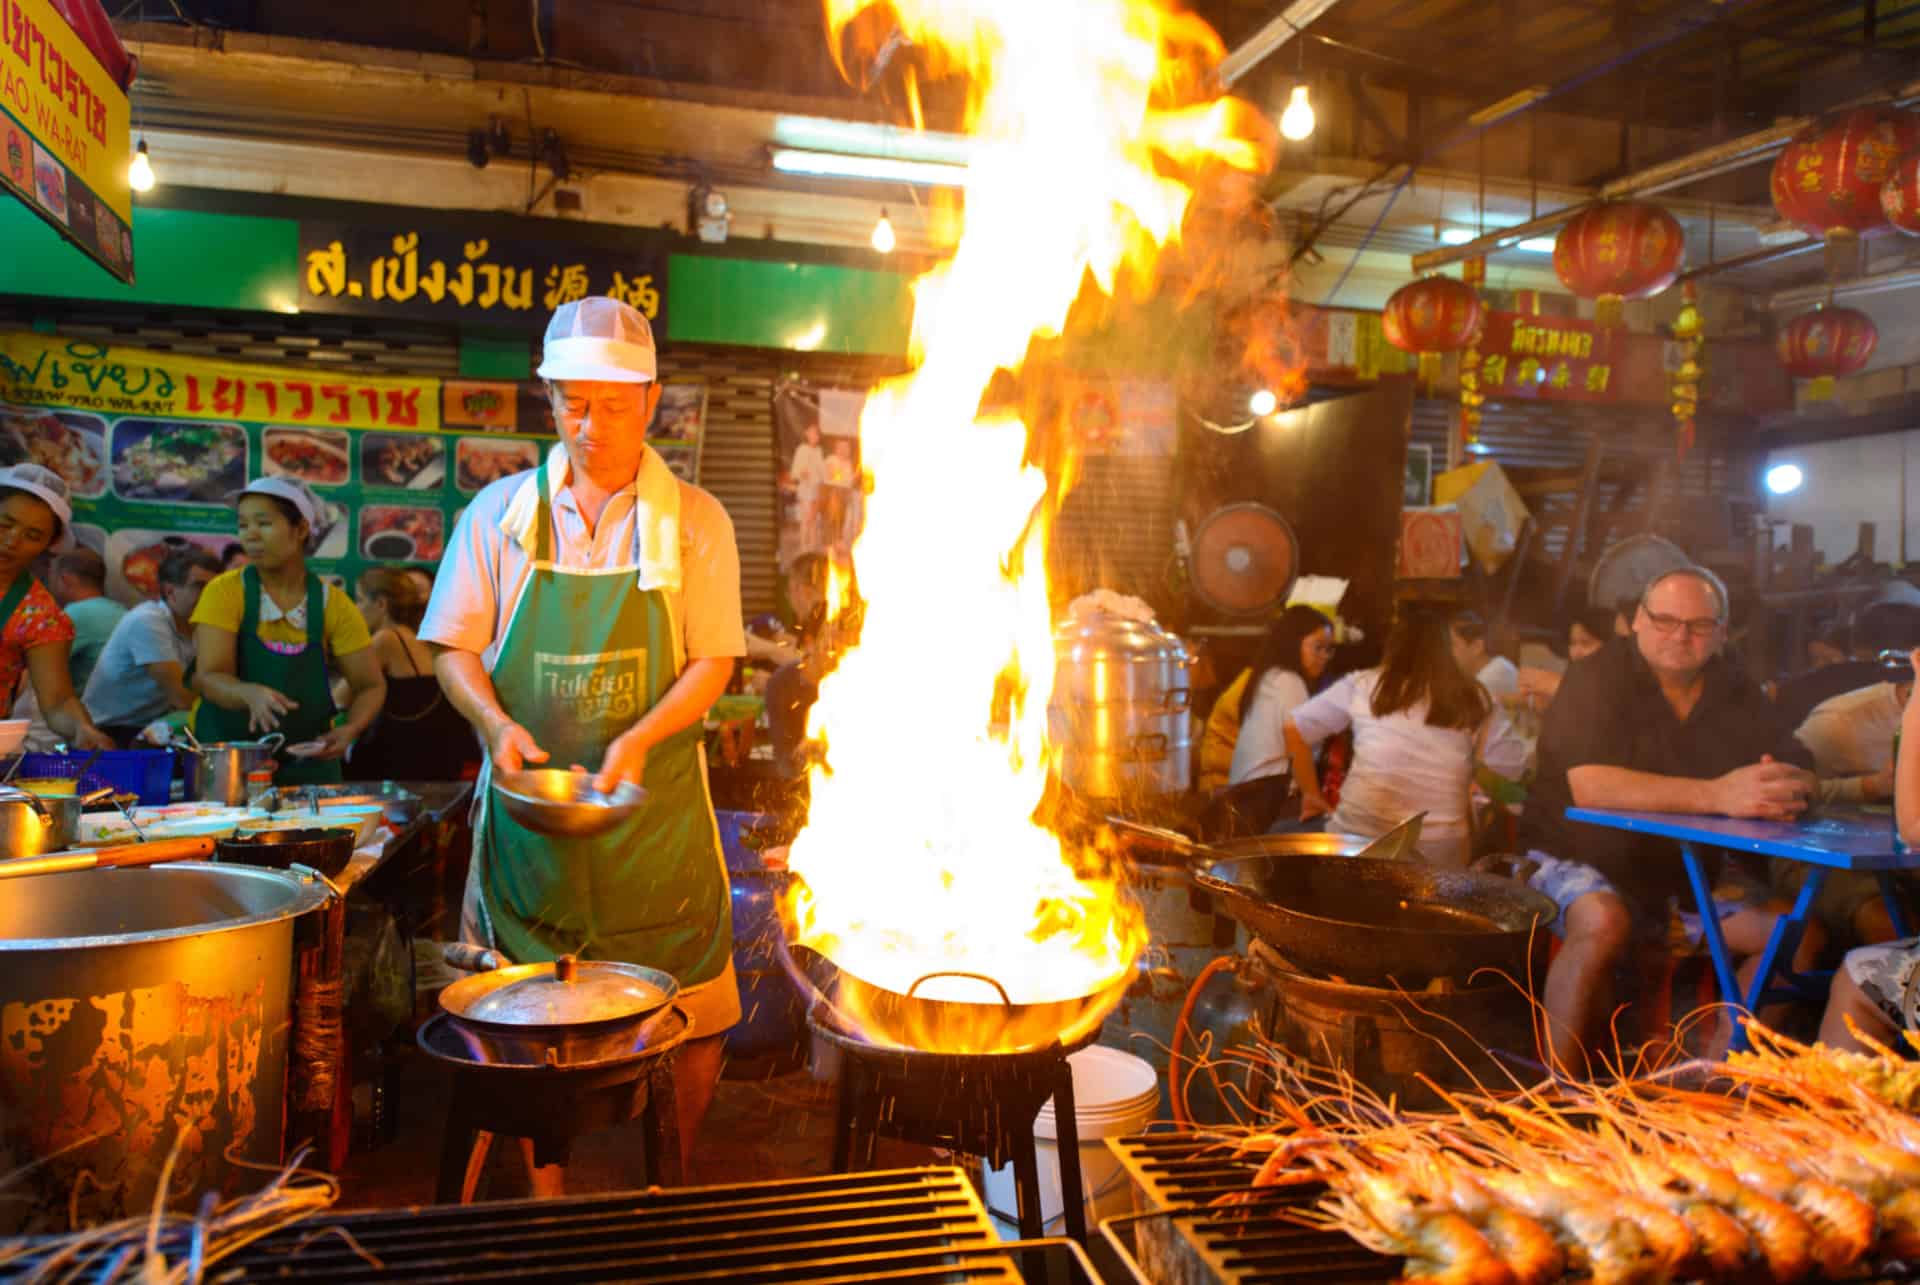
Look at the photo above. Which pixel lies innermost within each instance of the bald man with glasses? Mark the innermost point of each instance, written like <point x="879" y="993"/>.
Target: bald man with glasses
<point x="1659" y="721"/>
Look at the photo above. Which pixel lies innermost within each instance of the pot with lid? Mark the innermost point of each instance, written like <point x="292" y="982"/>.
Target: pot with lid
<point x="562" y="1013"/>
<point x="220" y="768"/>
<point x="1122" y="707"/>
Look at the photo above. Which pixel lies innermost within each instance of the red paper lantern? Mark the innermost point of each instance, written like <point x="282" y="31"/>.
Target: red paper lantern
<point x="1828" y="180"/>
<point x="1900" y="194"/>
<point x="1617" y="251"/>
<point x="1825" y="344"/>
<point x="1431" y="316"/>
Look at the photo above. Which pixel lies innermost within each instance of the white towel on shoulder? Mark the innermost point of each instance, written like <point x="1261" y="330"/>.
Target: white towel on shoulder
<point x="656" y="516"/>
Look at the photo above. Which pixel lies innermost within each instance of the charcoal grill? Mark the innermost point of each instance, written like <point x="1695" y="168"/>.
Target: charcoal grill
<point x="922" y="1225"/>
<point x="1181" y="1237"/>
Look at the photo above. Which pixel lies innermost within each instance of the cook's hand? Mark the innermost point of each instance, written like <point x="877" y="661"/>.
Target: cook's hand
<point x="1878" y="786"/>
<point x="92" y="738"/>
<point x="1314" y="805"/>
<point x="626" y="760"/>
<point x="512" y="747"/>
<point x="1767" y="790"/>
<point x="265" y="706"/>
<point x="333" y="745"/>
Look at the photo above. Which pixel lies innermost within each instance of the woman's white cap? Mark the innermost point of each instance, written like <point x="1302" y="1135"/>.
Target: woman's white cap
<point x="290" y="489"/>
<point x="598" y="338"/>
<point x="49" y="487"/>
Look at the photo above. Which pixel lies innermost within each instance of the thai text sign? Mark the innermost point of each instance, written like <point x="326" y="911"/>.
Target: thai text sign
<point x="42" y="370"/>
<point x="64" y="133"/>
<point x="1546" y="358"/>
<point x="437" y="275"/>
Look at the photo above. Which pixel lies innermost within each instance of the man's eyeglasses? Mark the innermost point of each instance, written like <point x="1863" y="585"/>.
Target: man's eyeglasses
<point x="1670" y="625"/>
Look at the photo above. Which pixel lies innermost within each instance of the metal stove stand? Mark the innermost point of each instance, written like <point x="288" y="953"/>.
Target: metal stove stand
<point x="1181" y="1237"/>
<point x="980" y="1104"/>
<point x="910" y="1225"/>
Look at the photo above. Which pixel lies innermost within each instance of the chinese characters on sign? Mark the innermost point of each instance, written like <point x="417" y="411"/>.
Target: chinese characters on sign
<point x="1546" y="359"/>
<point x="441" y="275"/>
<point x="63" y="133"/>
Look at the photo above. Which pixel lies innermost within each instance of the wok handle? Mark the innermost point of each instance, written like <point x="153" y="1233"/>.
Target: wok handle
<point x="978" y="977"/>
<point x="126" y="854"/>
<point x="471" y="959"/>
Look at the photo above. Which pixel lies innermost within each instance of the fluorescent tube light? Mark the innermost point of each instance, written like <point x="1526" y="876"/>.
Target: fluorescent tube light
<point x="877" y="169"/>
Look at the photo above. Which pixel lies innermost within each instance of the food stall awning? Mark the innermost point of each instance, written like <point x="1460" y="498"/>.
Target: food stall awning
<point x="64" y="137"/>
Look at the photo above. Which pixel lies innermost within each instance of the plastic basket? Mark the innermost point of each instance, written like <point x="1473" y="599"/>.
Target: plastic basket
<point x="147" y="773"/>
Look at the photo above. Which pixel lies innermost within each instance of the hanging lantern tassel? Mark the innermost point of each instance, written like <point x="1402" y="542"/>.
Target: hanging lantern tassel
<point x="1846" y="254"/>
<point x="1608" y="311"/>
<point x="1689" y="329"/>
<point x="1429" y="368"/>
<point x="1820" y="388"/>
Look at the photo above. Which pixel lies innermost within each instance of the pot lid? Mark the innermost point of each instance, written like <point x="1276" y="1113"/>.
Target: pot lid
<point x="570" y="992"/>
<point x="1106" y="637"/>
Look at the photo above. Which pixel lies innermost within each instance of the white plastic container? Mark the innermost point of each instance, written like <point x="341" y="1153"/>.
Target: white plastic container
<point x="1114" y="1093"/>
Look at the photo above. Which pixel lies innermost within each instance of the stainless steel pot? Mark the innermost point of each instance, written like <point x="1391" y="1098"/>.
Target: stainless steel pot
<point x="172" y="982"/>
<point x="32" y="825"/>
<point x="1121" y="708"/>
<point x="220" y="768"/>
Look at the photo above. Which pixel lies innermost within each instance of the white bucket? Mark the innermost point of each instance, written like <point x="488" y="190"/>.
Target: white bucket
<point x="1114" y="1093"/>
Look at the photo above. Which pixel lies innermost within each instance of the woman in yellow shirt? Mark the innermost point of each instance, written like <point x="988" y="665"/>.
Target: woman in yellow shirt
<point x="258" y="671"/>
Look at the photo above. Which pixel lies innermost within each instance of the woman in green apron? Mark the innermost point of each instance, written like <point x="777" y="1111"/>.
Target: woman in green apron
<point x="35" y="635"/>
<point x="266" y="634"/>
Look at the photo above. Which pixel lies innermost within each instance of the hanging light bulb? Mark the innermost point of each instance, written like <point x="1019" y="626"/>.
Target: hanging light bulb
<point x="140" y="169"/>
<point x="1263" y="402"/>
<point x="1296" y="122"/>
<point x="883" y="238"/>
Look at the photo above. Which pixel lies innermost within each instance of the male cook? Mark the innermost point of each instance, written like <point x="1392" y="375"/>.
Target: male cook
<point x="586" y="615"/>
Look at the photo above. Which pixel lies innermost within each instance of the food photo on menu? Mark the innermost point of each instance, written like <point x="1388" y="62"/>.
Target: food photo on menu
<point x="317" y="456"/>
<point x="133" y="557"/>
<point x="402" y="533"/>
<point x="409" y="461"/>
<point x="178" y="462"/>
<point x="71" y="443"/>
<point x="479" y="461"/>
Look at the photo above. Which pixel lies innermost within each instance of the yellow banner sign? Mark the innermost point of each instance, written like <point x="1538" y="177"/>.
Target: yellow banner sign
<point x="41" y="370"/>
<point x="64" y="138"/>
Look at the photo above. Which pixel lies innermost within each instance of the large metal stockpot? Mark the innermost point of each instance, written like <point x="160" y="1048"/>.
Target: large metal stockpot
<point x="220" y="768"/>
<point x="140" y="1009"/>
<point x="1122" y="707"/>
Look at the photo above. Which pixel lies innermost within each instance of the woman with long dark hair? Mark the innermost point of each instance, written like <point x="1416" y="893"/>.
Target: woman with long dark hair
<point x="419" y="735"/>
<point x="1419" y="725"/>
<point x="1291" y="662"/>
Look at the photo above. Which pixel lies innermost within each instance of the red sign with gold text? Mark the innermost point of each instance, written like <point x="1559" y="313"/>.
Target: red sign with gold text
<point x="1551" y="359"/>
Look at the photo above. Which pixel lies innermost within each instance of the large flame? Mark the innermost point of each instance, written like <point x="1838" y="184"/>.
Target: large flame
<point x="921" y="854"/>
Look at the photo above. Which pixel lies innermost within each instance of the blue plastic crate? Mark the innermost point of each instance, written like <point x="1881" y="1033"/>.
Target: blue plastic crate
<point x="147" y="773"/>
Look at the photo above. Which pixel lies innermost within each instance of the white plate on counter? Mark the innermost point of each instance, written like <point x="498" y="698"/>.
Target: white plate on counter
<point x="181" y="821"/>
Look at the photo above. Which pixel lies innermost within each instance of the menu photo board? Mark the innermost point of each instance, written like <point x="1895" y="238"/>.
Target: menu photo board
<point x="153" y="472"/>
<point x="64" y="133"/>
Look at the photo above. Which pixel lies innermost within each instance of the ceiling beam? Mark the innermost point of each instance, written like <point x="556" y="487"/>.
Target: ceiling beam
<point x="1285" y="25"/>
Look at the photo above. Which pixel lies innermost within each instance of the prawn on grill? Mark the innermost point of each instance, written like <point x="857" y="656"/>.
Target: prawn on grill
<point x="1441" y="1247"/>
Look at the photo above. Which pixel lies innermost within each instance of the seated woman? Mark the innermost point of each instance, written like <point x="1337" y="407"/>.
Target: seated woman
<point x="35" y="635"/>
<point x="1419" y="726"/>
<point x="1870" y="989"/>
<point x="419" y="735"/>
<point x="1295" y="655"/>
<point x="265" y="634"/>
<point x="1591" y="629"/>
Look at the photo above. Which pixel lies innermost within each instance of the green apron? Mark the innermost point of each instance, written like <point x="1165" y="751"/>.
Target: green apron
<point x="300" y="676"/>
<point x="586" y="653"/>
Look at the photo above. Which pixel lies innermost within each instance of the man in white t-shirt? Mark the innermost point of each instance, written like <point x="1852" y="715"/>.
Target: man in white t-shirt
<point x="142" y="673"/>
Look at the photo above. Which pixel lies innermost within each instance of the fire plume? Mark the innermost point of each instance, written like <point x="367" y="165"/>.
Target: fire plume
<point x="921" y="855"/>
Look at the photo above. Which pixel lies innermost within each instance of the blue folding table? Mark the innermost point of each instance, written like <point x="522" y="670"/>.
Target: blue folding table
<point x="1837" y="839"/>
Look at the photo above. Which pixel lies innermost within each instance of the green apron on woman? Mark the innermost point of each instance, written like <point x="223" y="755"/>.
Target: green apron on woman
<point x="300" y="676"/>
<point x="586" y="653"/>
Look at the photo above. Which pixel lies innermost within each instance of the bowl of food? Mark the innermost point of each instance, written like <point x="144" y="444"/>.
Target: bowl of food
<point x="560" y="803"/>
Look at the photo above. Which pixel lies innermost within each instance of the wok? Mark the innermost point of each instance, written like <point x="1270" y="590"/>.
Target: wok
<point x="1373" y="921"/>
<point x="564" y="1013"/>
<point x="948" y="1012"/>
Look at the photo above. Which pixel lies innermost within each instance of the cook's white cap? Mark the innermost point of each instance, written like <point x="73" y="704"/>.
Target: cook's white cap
<point x="598" y="338"/>
<point x="48" y="486"/>
<point x="290" y="489"/>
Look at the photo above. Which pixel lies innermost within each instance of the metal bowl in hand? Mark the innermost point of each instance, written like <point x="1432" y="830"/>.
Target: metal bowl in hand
<point x="565" y="804"/>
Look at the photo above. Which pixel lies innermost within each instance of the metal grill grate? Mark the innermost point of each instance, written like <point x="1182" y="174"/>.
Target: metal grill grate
<point x="1181" y="1237"/>
<point x="924" y="1225"/>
